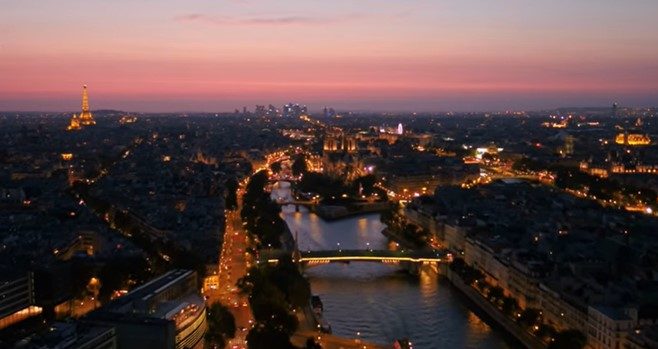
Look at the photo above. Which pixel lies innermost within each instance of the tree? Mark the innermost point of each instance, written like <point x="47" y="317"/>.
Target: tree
<point x="509" y="306"/>
<point x="546" y="332"/>
<point x="256" y="186"/>
<point x="647" y="195"/>
<point x="274" y="315"/>
<point x="116" y="273"/>
<point x="260" y="213"/>
<point x="526" y="164"/>
<point x="467" y="273"/>
<point x="530" y="317"/>
<point x="488" y="157"/>
<point x="276" y="167"/>
<point x="81" y="272"/>
<point x="569" y="339"/>
<point x="367" y="184"/>
<point x="312" y="344"/>
<point x="299" y="165"/>
<point x="388" y="216"/>
<point x="265" y="337"/>
<point x="221" y="324"/>
<point x="326" y="186"/>
<point x="231" y="198"/>
<point x="496" y="294"/>
<point x="291" y="282"/>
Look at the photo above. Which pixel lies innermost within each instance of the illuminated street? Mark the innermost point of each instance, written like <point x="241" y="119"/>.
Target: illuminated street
<point x="233" y="265"/>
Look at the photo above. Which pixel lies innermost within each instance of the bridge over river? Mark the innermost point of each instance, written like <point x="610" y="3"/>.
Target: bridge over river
<point x="312" y="258"/>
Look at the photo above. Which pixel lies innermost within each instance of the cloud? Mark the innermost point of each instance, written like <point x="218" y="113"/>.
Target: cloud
<point x="266" y="21"/>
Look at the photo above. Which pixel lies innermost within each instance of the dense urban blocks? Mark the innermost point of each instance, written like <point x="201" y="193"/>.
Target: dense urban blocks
<point x="541" y="230"/>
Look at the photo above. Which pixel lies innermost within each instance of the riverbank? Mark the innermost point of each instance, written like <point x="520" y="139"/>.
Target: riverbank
<point x="308" y="327"/>
<point x="492" y="312"/>
<point x="505" y="323"/>
<point x="397" y="238"/>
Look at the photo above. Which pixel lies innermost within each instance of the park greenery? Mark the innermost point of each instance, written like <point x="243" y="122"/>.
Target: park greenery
<point x="260" y="214"/>
<point x="231" y="197"/>
<point x="299" y="166"/>
<point x="275" y="293"/>
<point x="276" y="167"/>
<point x="407" y="234"/>
<point x="569" y="339"/>
<point x="336" y="191"/>
<point x="221" y="325"/>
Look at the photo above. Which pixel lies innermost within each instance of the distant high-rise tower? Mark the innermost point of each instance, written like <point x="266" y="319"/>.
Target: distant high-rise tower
<point x="400" y="129"/>
<point x="615" y="108"/>
<point x="86" y="118"/>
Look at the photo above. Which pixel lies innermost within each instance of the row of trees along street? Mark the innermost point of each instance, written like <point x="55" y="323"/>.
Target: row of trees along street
<point x="276" y="292"/>
<point x="528" y="319"/>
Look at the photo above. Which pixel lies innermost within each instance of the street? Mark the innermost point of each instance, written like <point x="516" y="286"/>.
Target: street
<point x="233" y="265"/>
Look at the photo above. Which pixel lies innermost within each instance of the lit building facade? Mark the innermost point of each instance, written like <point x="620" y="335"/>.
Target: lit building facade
<point x="340" y="143"/>
<point x="633" y="139"/>
<point x="17" y="299"/>
<point x="166" y="312"/>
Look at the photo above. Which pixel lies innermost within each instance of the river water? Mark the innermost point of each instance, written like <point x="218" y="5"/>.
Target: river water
<point x="380" y="303"/>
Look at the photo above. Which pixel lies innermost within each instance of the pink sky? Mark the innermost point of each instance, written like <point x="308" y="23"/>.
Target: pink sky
<point x="370" y="55"/>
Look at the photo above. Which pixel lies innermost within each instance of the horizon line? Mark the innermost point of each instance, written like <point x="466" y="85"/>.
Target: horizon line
<point x="346" y="110"/>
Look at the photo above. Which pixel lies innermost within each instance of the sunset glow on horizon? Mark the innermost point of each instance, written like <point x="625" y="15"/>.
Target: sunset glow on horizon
<point x="165" y="55"/>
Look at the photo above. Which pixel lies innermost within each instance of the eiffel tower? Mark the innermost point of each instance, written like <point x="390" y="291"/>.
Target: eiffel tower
<point x="86" y="118"/>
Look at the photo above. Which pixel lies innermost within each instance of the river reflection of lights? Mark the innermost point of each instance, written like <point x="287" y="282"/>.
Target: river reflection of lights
<point x="428" y="282"/>
<point x="363" y="225"/>
<point x="476" y="324"/>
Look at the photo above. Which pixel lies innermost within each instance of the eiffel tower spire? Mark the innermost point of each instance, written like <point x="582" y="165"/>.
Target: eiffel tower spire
<point x="85" y="100"/>
<point x="86" y="118"/>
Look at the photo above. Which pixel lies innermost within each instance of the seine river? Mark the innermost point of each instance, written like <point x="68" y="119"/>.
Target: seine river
<point x="380" y="303"/>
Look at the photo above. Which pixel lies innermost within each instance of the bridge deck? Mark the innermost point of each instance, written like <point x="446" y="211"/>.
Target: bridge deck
<point x="357" y="255"/>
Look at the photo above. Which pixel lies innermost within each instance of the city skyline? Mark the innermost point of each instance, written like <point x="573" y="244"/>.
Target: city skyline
<point x="306" y="174"/>
<point x="370" y="56"/>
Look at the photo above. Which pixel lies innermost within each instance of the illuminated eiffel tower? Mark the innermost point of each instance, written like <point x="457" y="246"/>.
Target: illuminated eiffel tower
<point x="86" y="118"/>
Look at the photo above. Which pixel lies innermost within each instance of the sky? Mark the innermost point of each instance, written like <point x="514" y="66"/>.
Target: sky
<point x="378" y="55"/>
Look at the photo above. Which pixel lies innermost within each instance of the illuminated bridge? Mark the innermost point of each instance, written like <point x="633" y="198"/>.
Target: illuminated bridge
<point x="313" y="258"/>
<point x="297" y="203"/>
<point x="289" y="201"/>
